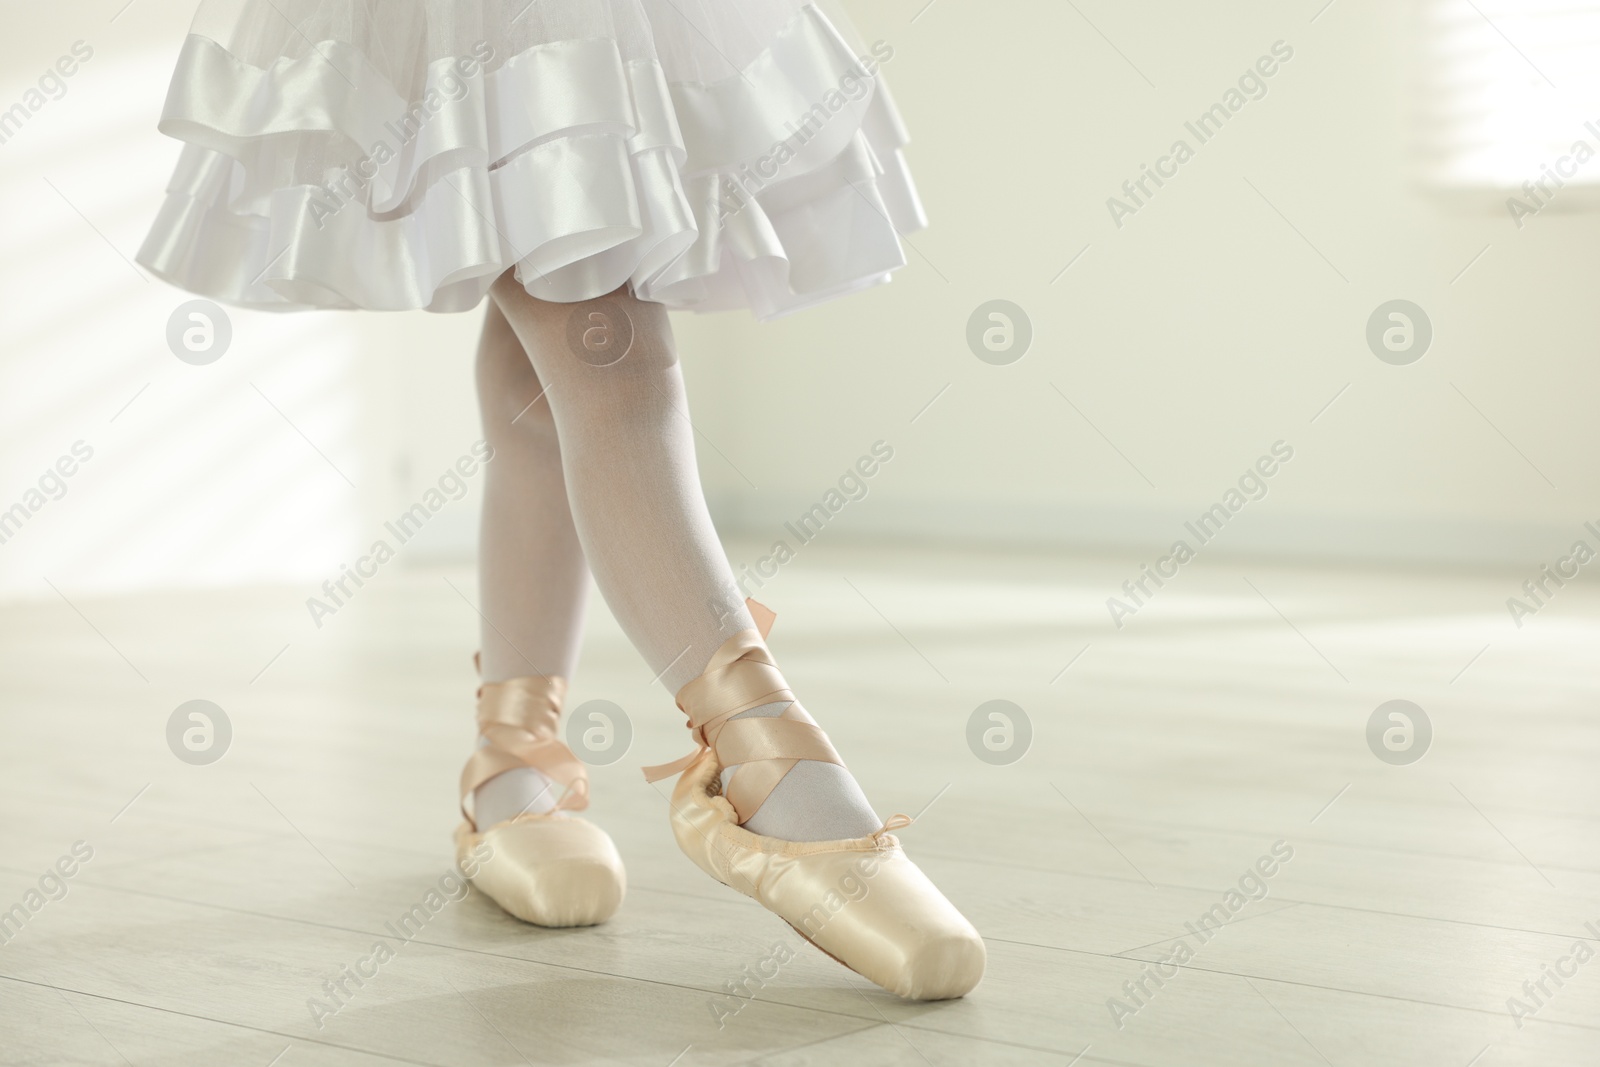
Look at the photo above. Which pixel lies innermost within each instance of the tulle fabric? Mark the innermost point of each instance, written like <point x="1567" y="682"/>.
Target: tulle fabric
<point x="401" y="154"/>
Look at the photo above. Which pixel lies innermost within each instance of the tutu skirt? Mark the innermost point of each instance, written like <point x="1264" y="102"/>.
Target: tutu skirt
<point x="402" y="154"/>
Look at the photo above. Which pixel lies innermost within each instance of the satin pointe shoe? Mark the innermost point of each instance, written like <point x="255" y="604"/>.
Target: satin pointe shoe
<point x="550" y="868"/>
<point x="861" y="901"/>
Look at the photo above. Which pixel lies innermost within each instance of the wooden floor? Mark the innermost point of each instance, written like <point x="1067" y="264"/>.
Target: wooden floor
<point x="1227" y="716"/>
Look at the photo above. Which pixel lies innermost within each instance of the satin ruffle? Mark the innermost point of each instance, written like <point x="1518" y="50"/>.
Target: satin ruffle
<point x="581" y="169"/>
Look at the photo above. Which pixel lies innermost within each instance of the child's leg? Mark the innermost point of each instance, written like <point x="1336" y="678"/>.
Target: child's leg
<point x="532" y="578"/>
<point x="628" y="453"/>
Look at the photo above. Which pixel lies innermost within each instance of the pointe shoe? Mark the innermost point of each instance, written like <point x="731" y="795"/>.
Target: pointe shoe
<point x="549" y="868"/>
<point x="862" y="901"/>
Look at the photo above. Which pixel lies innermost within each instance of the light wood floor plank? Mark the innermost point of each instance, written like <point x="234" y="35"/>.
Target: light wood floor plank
<point x="1165" y="760"/>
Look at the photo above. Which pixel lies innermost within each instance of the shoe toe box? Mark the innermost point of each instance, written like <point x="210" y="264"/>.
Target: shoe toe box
<point x="898" y="930"/>
<point x="551" y="872"/>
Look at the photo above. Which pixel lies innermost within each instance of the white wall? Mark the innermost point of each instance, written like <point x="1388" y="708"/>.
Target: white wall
<point x="278" y="462"/>
<point x="1201" y="331"/>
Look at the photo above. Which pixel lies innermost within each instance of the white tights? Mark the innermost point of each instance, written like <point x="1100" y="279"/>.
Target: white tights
<point x="594" y="469"/>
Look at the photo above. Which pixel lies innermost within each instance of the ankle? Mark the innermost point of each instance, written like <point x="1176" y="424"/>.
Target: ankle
<point x="519" y="791"/>
<point x="520" y="765"/>
<point x="814" y="801"/>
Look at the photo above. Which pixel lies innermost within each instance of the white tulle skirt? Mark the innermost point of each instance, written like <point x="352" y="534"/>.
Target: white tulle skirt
<point x="399" y="154"/>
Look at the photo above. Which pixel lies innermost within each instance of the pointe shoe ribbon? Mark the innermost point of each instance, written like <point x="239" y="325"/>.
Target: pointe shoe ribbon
<point x="548" y="867"/>
<point x="741" y="676"/>
<point x="520" y="718"/>
<point x="861" y="900"/>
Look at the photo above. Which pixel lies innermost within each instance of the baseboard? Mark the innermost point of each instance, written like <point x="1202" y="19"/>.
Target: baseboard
<point x="1146" y="534"/>
<point x="1140" y="534"/>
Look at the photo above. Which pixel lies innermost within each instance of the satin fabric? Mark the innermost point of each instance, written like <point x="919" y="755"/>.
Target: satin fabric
<point x="861" y="901"/>
<point x="520" y="718"/>
<point x="578" y="162"/>
<point x="547" y="870"/>
<point x="742" y="675"/>
<point x="550" y="868"/>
